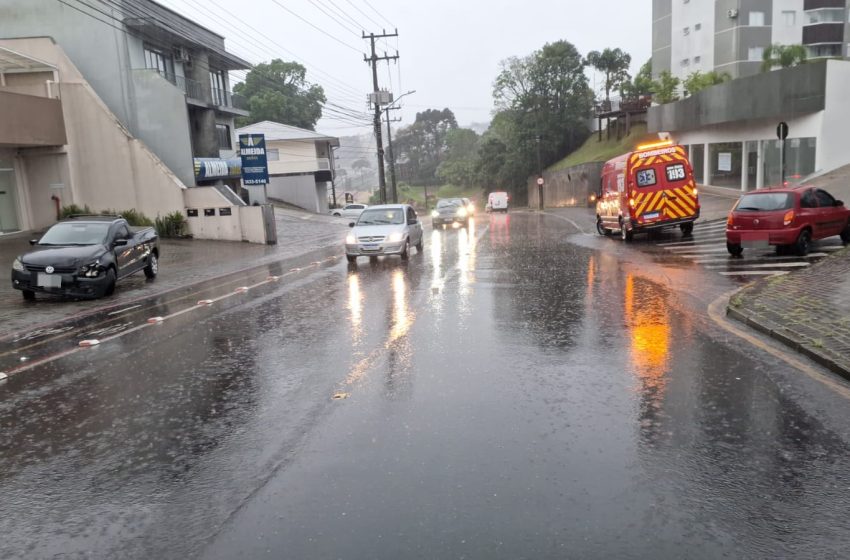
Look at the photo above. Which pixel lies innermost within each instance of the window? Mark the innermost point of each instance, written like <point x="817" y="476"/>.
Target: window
<point x="122" y="232"/>
<point x="825" y="15"/>
<point x="755" y="53"/>
<point x="825" y="200"/>
<point x="818" y="51"/>
<point x="157" y="59"/>
<point x="697" y="26"/>
<point x="645" y="177"/>
<point x="697" y="59"/>
<point x="757" y="19"/>
<point x="789" y="17"/>
<point x="411" y="216"/>
<point x="808" y="200"/>
<point x="219" y="91"/>
<point x="686" y="31"/>
<point x="685" y="62"/>
<point x="273" y="154"/>
<point x="224" y="141"/>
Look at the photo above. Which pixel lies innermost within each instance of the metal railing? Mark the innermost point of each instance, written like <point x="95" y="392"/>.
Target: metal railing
<point x="193" y="90"/>
<point x="224" y="98"/>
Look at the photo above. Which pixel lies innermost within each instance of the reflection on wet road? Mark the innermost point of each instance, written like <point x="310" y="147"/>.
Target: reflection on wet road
<point x="511" y="392"/>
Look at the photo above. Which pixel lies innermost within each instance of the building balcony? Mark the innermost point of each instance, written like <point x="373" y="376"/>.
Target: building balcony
<point x="819" y="33"/>
<point x="221" y="100"/>
<point x="31" y="121"/>
<point x="227" y="100"/>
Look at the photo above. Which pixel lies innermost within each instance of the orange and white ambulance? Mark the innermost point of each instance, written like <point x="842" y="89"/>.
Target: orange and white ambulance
<point x="652" y="188"/>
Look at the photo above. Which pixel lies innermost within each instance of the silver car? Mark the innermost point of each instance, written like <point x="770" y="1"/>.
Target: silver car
<point x="390" y="229"/>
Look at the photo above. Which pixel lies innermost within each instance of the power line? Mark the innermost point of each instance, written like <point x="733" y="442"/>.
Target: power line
<point x="382" y="181"/>
<point x="317" y="28"/>
<point x="379" y="13"/>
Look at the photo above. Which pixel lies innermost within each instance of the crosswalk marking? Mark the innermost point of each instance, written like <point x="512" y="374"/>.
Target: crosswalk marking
<point x="765" y="258"/>
<point x="755" y="273"/>
<point x="768" y="265"/>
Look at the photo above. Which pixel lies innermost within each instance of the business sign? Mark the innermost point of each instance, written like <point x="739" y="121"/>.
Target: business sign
<point x="207" y="169"/>
<point x="724" y="161"/>
<point x="255" y="166"/>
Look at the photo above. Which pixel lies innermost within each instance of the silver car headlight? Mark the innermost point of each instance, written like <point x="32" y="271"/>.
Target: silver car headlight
<point x="435" y="214"/>
<point x="350" y="239"/>
<point x="395" y="237"/>
<point x="18" y="265"/>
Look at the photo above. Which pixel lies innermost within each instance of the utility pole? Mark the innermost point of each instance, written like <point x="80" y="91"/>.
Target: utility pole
<point x="393" y="184"/>
<point x="375" y="97"/>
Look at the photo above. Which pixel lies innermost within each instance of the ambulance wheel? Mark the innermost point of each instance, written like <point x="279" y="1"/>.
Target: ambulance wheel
<point x="626" y="233"/>
<point x="734" y="249"/>
<point x="687" y="229"/>
<point x="601" y="229"/>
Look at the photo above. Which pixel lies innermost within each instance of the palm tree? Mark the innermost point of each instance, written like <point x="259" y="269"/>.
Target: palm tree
<point x="783" y="56"/>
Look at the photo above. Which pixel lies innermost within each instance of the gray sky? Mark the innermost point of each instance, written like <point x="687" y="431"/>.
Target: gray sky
<point x="450" y="50"/>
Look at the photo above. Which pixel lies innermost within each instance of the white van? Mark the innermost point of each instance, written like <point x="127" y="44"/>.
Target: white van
<point x="498" y="202"/>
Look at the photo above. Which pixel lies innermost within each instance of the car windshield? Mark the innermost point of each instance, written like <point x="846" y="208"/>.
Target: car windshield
<point x="449" y="202"/>
<point x="392" y="216"/>
<point x="765" y="202"/>
<point x="76" y="233"/>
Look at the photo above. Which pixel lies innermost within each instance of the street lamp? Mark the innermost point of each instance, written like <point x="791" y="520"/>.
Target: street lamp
<point x="387" y="110"/>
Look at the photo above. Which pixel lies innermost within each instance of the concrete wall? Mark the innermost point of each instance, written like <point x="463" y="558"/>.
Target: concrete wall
<point x="244" y="224"/>
<point x="27" y="120"/>
<point x="300" y="190"/>
<point x="168" y="131"/>
<point x="572" y="186"/>
<point x="43" y="174"/>
<point x="662" y="23"/>
<point x="697" y="42"/>
<point x="30" y="83"/>
<point x="832" y="145"/>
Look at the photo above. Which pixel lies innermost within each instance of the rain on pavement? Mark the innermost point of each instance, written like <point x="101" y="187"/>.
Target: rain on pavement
<point x="521" y="390"/>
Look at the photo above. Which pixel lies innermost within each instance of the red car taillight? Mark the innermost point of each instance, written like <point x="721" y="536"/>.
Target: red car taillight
<point x="789" y="218"/>
<point x="730" y="221"/>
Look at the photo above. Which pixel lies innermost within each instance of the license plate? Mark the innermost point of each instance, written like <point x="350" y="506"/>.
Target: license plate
<point x="755" y="243"/>
<point x="370" y="247"/>
<point x="49" y="280"/>
<point x="651" y="215"/>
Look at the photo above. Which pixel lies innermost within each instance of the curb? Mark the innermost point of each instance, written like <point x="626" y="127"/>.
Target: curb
<point x="775" y="332"/>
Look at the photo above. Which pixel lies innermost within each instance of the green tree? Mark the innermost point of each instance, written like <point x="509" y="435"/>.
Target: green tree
<point x="783" y="56"/>
<point x="614" y="64"/>
<point x="698" y="81"/>
<point x="278" y="91"/>
<point x="459" y="165"/>
<point x="421" y="147"/>
<point x="664" y="88"/>
<point x="641" y="84"/>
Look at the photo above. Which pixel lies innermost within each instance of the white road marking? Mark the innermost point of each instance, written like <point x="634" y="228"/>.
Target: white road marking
<point x="767" y="265"/>
<point x="700" y="253"/>
<point x="757" y="259"/>
<point x="120" y="311"/>
<point x="694" y="241"/>
<point x="695" y="248"/>
<point x="755" y="273"/>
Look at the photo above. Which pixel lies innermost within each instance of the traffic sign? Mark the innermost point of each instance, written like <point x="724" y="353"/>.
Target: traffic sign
<point x="540" y="181"/>
<point x="782" y="130"/>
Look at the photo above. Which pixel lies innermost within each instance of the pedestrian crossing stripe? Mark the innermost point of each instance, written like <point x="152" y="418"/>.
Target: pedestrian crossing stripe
<point x="755" y="273"/>
<point x="765" y="265"/>
<point x="772" y="258"/>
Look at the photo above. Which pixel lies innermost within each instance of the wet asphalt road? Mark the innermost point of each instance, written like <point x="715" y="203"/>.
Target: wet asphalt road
<point x="524" y="390"/>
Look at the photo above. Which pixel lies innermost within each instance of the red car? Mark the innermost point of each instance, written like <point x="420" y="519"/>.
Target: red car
<point x="785" y="218"/>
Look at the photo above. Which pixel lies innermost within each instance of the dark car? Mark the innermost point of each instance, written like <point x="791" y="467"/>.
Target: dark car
<point x="788" y="218"/>
<point x="450" y="211"/>
<point x="85" y="256"/>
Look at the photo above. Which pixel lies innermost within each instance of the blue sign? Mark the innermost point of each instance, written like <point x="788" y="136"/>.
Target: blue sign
<point x="255" y="166"/>
<point x="207" y="169"/>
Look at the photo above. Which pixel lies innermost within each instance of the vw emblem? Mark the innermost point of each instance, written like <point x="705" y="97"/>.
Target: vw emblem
<point x="49" y="270"/>
<point x="755" y="222"/>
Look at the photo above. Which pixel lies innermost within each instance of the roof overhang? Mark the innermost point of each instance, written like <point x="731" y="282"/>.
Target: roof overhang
<point x="15" y="62"/>
<point x="219" y="58"/>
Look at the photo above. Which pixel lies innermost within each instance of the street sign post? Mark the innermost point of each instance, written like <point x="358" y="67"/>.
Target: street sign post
<point x="782" y="134"/>
<point x="540" y="182"/>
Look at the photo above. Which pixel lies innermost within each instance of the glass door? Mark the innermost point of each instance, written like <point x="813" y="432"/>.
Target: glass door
<point x="8" y="199"/>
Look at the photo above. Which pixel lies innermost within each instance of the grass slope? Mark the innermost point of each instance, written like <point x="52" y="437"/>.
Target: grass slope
<point x="594" y="150"/>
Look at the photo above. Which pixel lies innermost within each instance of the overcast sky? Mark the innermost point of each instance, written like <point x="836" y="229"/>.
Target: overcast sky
<point x="450" y="49"/>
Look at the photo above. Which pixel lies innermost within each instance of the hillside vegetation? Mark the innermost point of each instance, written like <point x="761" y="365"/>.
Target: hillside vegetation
<point x="594" y="150"/>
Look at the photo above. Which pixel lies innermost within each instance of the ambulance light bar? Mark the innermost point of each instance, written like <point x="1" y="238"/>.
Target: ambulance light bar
<point x="662" y="144"/>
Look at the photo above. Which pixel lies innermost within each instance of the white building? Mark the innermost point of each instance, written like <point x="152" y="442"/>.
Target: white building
<point x="301" y="165"/>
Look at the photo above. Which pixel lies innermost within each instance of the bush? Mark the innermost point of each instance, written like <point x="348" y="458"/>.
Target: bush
<point x="135" y="218"/>
<point x="171" y="225"/>
<point x="74" y="210"/>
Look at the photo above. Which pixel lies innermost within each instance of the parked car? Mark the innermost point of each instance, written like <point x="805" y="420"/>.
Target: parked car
<point x="85" y="256"/>
<point x="450" y="211"/>
<point x="787" y="218"/>
<point x="351" y="211"/>
<point x="498" y="202"/>
<point x="389" y="229"/>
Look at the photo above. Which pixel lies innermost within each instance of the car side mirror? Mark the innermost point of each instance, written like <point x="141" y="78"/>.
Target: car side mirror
<point x="33" y="241"/>
<point x="414" y="222"/>
<point x="119" y="243"/>
<point x="839" y="203"/>
<point x="351" y="224"/>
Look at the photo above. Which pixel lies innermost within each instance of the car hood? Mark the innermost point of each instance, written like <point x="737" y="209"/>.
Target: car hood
<point x="63" y="256"/>
<point x="377" y="231"/>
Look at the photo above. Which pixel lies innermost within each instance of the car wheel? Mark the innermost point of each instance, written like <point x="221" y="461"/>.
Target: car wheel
<point x="625" y="233"/>
<point x="600" y="229"/>
<point x="337" y="214"/>
<point x="845" y="235"/>
<point x="29" y="295"/>
<point x="687" y="229"/>
<point x="405" y="254"/>
<point x="421" y="245"/>
<point x="351" y="258"/>
<point x="110" y="282"/>
<point x="801" y="247"/>
<point x="734" y="249"/>
<point x="152" y="269"/>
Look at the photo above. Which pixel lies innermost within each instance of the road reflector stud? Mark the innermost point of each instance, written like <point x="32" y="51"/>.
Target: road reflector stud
<point x="241" y="289"/>
<point x="24" y="358"/>
<point x="205" y="302"/>
<point x="154" y="320"/>
<point x="88" y="343"/>
<point x="340" y="396"/>
<point x="294" y="270"/>
<point x="273" y="278"/>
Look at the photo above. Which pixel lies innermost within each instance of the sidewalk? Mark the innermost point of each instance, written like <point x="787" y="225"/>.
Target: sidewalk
<point x="808" y="310"/>
<point x="183" y="262"/>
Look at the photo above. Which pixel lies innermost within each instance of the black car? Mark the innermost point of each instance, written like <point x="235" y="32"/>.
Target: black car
<point x="85" y="256"/>
<point x="450" y="211"/>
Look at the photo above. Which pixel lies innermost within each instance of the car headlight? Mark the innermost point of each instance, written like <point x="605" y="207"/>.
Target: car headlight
<point x="18" y="265"/>
<point x="91" y="270"/>
<point x="435" y="214"/>
<point x="395" y="237"/>
<point x="461" y="212"/>
<point x="350" y="239"/>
